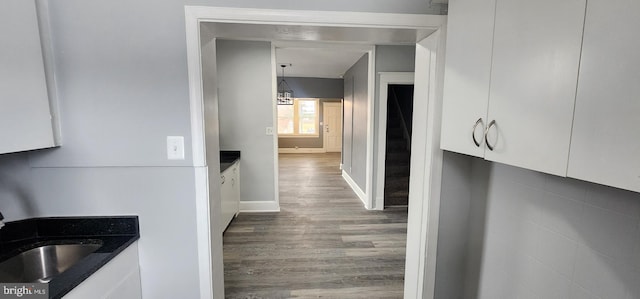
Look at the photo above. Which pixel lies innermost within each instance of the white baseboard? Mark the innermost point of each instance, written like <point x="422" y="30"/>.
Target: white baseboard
<point x="259" y="206"/>
<point x="356" y="189"/>
<point x="300" y="150"/>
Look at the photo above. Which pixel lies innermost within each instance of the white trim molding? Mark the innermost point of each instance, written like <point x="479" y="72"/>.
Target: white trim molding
<point x="426" y="169"/>
<point x="259" y="206"/>
<point x="371" y="98"/>
<point x="386" y="78"/>
<point x="274" y="112"/>
<point x="301" y="150"/>
<point x="361" y="195"/>
<point x="311" y="17"/>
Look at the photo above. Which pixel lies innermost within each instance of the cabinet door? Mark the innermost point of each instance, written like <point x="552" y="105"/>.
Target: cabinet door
<point x="227" y="206"/>
<point x="536" y="55"/>
<point x="605" y="143"/>
<point x="25" y="118"/>
<point x="235" y="184"/>
<point x="467" y="74"/>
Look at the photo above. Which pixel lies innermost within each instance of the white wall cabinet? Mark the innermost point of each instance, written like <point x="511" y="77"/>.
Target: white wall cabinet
<point x="527" y="115"/>
<point x="605" y="143"/>
<point x="25" y="113"/>
<point x="467" y="75"/>
<point x="118" y="279"/>
<point x="230" y="194"/>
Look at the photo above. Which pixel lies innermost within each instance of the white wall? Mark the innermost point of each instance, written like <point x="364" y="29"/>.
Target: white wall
<point x="389" y="59"/>
<point x="542" y="236"/>
<point x="245" y="109"/>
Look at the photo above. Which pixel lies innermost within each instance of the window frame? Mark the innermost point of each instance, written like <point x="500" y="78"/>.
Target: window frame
<point x="296" y="120"/>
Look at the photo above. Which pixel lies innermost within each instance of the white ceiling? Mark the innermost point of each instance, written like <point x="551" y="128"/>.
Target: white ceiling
<point x="324" y="62"/>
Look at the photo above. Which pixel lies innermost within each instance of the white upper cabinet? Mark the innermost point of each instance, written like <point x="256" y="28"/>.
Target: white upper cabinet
<point x="511" y="68"/>
<point x="605" y="143"/>
<point x="536" y="56"/>
<point x="25" y="115"/>
<point x="467" y="75"/>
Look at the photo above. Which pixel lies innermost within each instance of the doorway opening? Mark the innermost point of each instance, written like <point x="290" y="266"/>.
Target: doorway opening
<point x="422" y="29"/>
<point x="398" y="149"/>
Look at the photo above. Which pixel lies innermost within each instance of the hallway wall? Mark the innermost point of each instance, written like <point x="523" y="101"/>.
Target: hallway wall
<point x="354" y="143"/>
<point x="245" y="110"/>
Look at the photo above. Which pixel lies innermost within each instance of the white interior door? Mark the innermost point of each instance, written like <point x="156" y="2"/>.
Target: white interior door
<point x="332" y="120"/>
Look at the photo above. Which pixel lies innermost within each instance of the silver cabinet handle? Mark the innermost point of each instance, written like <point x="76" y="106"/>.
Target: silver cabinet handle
<point x="222" y="178"/>
<point x="473" y="131"/>
<point x="486" y="133"/>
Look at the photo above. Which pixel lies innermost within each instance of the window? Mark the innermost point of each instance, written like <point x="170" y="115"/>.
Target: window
<point x="299" y="119"/>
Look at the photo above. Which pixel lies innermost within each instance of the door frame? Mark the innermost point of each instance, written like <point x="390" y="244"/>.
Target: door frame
<point x="324" y="136"/>
<point x="385" y="79"/>
<point x="210" y="269"/>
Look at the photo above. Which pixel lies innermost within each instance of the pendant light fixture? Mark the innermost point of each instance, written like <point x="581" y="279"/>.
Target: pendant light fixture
<point x="285" y="94"/>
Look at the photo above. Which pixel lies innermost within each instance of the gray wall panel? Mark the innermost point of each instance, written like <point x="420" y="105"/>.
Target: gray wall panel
<point x="357" y="115"/>
<point x="17" y="200"/>
<point x="315" y="87"/>
<point x="535" y="234"/>
<point x="162" y="197"/>
<point x="245" y="110"/>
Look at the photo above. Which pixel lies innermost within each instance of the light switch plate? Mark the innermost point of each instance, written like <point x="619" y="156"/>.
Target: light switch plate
<point x="175" y="147"/>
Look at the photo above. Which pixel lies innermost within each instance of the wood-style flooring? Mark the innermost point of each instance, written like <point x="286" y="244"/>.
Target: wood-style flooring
<point x="323" y="243"/>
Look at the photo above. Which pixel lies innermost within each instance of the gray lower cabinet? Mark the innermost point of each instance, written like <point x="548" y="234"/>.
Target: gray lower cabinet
<point x="26" y="121"/>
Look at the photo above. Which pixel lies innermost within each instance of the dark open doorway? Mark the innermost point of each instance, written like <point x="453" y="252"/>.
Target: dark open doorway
<point x="398" y="149"/>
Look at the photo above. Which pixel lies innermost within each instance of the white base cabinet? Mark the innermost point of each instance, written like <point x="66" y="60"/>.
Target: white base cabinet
<point x="605" y="142"/>
<point x="230" y="194"/>
<point x="118" y="279"/>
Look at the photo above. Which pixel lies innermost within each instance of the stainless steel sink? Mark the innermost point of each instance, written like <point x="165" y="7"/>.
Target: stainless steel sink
<point x="42" y="263"/>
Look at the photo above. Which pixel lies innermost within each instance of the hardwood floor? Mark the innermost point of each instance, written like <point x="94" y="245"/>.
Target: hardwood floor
<point x="323" y="243"/>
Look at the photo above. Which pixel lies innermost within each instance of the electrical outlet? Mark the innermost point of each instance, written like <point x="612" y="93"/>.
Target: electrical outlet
<point x="269" y="131"/>
<point x="175" y="147"/>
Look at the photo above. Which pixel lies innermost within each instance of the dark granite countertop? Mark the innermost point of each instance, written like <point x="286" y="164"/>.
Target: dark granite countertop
<point x="227" y="158"/>
<point x="115" y="233"/>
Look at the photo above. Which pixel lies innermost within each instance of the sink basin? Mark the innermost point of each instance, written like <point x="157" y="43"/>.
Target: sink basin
<point x="42" y="263"/>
